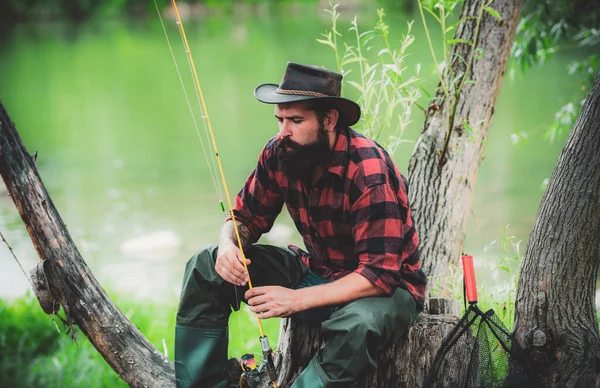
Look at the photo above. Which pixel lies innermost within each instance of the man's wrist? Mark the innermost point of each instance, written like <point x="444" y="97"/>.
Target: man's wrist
<point x="224" y="245"/>
<point x="305" y="298"/>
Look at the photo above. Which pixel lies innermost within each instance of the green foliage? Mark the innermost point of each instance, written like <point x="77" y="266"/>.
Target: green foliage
<point x="502" y="300"/>
<point x="453" y="78"/>
<point x="549" y="26"/>
<point x="386" y="93"/>
<point x="23" y="336"/>
<point x="490" y="296"/>
<point x="34" y="354"/>
<point x="448" y="286"/>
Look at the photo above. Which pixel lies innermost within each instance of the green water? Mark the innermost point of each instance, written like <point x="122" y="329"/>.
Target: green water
<point x="103" y="107"/>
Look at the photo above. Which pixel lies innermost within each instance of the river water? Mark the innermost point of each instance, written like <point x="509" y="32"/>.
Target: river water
<point x="103" y="107"/>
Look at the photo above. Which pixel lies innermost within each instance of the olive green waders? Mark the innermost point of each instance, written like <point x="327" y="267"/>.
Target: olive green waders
<point x="354" y="333"/>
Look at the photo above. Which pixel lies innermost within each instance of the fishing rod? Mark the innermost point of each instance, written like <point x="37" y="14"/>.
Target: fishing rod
<point x="264" y="341"/>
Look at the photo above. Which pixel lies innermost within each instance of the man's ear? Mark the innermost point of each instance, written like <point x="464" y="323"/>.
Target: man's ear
<point x="331" y="119"/>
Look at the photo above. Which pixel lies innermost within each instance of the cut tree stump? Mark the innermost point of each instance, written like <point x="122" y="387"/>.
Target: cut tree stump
<point x="403" y="364"/>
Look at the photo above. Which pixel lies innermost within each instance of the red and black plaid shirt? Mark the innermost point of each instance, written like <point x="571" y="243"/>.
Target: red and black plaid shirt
<point x="355" y="218"/>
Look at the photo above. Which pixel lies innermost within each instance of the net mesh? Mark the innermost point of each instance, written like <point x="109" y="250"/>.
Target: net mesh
<point x="479" y="353"/>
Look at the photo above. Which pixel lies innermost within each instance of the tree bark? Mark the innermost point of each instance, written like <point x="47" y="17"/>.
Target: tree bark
<point x="65" y="279"/>
<point x="441" y="186"/>
<point x="555" y="317"/>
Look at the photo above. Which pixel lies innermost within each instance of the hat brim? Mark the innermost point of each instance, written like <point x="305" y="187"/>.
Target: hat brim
<point x="348" y="109"/>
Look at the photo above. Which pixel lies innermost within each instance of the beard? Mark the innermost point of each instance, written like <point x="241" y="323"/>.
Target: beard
<point x="298" y="161"/>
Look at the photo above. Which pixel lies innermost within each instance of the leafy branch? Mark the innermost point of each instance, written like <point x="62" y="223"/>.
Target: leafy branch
<point x="386" y="94"/>
<point x="452" y="83"/>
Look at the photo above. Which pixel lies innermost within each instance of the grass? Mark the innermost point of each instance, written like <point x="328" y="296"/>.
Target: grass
<point x="34" y="354"/>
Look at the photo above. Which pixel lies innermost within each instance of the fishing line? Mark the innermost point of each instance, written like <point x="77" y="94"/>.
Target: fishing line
<point x="212" y="169"/>
<point x="200" y="101"/>
<point x="25" y="273"/>
<point x="267" y="352"/>
<point x="17" y="260"/>
<point x="214" y="143"/>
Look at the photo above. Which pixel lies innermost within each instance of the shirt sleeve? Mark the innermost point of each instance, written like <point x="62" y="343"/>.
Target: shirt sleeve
<point x="378" y="231"/>
<point x="260" y="201"/>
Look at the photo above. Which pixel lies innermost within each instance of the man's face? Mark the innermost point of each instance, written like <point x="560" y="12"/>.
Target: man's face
<point x="303" y="142"/>
<point x="297" y="123"/>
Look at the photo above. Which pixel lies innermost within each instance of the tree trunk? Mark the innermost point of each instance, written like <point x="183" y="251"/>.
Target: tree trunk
<point x="441" y="186"/>
<point x="555" y="317"/>
<point x="65" y="280"/>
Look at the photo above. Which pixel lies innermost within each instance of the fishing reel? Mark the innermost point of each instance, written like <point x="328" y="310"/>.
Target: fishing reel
<point x="246" y="372"/>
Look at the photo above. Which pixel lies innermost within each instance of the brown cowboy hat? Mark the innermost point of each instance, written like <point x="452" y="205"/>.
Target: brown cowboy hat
<point x="306" y="82"/>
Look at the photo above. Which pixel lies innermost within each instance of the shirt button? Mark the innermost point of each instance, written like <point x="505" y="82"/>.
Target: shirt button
<point x="310" y="218"/>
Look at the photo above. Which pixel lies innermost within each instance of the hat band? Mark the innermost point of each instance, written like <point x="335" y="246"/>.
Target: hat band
<point x="300" y="93"/>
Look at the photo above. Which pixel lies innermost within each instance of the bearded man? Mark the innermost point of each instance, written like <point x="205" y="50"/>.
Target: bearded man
<point x="360" y="273"/>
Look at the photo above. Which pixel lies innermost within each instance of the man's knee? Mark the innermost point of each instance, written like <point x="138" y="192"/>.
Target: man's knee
<point x="202" y="293"/>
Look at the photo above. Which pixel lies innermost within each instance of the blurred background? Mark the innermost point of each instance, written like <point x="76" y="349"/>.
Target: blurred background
<point x="92" y="88"/>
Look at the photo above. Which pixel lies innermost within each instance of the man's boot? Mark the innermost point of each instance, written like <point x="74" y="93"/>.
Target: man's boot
<point x="309" y="378"/>
<point x="200" y="356"/>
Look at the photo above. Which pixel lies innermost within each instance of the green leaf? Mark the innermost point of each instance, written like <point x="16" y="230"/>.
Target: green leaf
<point x="493" y="13"/>
<point x="352" y="60"/>
<point x="478" y="53"/>
<point x="425" y="92"/>
<point x="357" y="86"/>
<point x="326" y="42"/>
<point x="382" y="51"/>
<point x="459" y="40"/>
<point x="370" y="68"/>
<point x="468" y="129"/>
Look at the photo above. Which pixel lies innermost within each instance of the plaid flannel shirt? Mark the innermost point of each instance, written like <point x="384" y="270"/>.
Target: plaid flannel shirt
<point x="355" y="218"/>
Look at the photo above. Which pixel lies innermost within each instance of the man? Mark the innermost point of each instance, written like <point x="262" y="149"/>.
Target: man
<point x="349" y="203"/>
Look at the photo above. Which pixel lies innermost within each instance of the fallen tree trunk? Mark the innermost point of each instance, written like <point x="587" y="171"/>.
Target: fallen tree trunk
<point x="66" y="280"/>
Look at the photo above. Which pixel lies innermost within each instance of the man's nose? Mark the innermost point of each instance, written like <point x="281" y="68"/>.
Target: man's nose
<point x="285" y="129"/>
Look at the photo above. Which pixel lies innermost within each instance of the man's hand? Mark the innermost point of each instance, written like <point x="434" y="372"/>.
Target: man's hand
<point x="230" y="267"/>
<point x="273" y="301"/>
